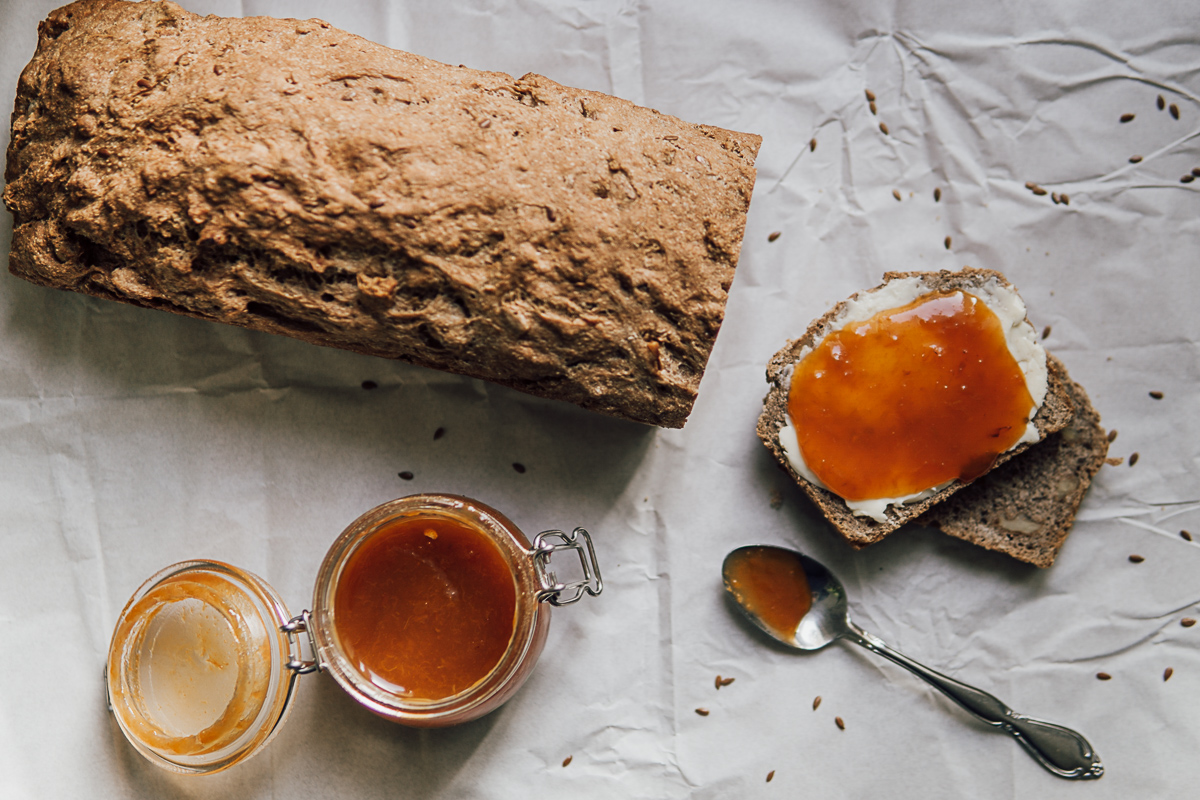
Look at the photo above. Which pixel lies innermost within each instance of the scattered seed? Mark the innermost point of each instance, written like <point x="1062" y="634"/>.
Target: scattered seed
<point x="370" y="385"/>
<point x="725" y="682"/>
<point x="841" y="723"/>
<point x="1104" y="676"/>
<point x="1127" y="118"/>
<point x="770" y="776"/>
<point x="406" y="475"/>
<point x="812" y="145"/>
<point x="1030" y="185"/>
<point x="1196" y="171"/>
<point x="519" y="467"/>
<point x="439" y="433"/>
<point x="376" y="203"/>
<point x="870" y="96"/>
<point x="1046" y="332"/>
<point x="1161" y="103"/>
<point x="947" y="242"/>
<point x="1185" y="535"/>
<point x="937" y="195"/>
<point x="1157" y="395"/>
<point x="1054" y="197"/>
<point x="1136" y="559"/>
<point x="567" y="761"/>
<point x="816" y="702"/>
<point x="774" y="235"/>
<point x="776" y="499"/>
<point x="144" y="83"/>
<point x="702" y="712"/>
<point x="717" y="682"/>
<point x="1187" y="622"/>
<point x="871" y="106"/>
<point x="1065" y="198"/>
<point x="1188" y="178"/>
<point x="1174" y="109"/>
<point x="1133" y="459"/>
<point x="1039" y="191"/>
<point x="896" y="194"/>
<point x="1135" y="159"/>
<point x="1112" y="435"/>
<point x="487" y="123"/>
<point x="883" y="127"/>
<point x="1167" y="673"/>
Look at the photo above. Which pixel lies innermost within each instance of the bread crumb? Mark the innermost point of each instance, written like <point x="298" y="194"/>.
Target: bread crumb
<point x="702" y="712"/>
<point x="567" y="760"/>
<point x="1157" y="395"/>
<point x="1114" y="461"/>
<point x="1167" y="673"/>
<point x="841" y="723"/>
<point x="1104" y="676"/>
<point x="816" y="702"/>
<point x="774" y="235"/>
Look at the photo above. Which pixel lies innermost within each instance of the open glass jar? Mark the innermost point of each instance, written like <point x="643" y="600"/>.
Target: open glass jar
<point x="430" y="610"/>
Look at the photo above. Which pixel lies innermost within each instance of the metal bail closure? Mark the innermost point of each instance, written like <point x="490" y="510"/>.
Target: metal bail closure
<point x="545" y="545"/>
<point x="297" y="663"/>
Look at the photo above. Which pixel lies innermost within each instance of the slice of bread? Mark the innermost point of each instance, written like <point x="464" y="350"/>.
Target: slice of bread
<point x="1026" y="507"/>
<point x="1055" y="413"/>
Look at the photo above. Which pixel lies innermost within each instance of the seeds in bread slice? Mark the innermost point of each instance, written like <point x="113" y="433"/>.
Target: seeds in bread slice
<point x="1026" y="508"/>
<point x="1053" y="415"/>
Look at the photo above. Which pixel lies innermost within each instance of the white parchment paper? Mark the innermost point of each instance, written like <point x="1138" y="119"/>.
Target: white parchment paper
<point x="131" y="439"/>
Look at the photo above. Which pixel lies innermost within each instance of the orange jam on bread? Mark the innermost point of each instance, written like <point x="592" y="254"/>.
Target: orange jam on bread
<point x="909" y="399"/>
<point x="426" y="607"/>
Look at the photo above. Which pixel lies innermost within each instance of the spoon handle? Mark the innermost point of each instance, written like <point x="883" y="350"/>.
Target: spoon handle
<point x="1061" y="750"/>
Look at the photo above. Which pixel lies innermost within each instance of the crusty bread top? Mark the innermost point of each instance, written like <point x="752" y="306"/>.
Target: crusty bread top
<point x="1054" y="414"/>
<point x="289" y="177"/>
<point x="1026" y="507"/>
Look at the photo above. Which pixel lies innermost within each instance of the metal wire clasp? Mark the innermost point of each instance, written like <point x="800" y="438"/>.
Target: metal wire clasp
<point x="545" y="545"/>
<point x="297" y="663"/>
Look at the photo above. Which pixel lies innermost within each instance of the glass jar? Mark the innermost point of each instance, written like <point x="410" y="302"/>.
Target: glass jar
<point x="430" y="610"/>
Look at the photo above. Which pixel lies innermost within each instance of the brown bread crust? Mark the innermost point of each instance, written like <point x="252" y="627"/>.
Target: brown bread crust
<point x="1055" y="413"/>
<point x="289" y="177"/>
<point x="1026" y="508"/>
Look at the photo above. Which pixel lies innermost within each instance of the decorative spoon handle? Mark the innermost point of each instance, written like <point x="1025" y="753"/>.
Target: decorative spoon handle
<point x="1061" y="750"/>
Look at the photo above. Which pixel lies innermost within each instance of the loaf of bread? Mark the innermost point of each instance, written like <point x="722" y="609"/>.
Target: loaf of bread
<point x="1054" y="414"/>
<point x="1026" y="507"/>
<point x="289" y="177"/>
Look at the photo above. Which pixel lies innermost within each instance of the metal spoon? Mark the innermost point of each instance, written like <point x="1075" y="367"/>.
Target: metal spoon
<point x="1061" y="750"/>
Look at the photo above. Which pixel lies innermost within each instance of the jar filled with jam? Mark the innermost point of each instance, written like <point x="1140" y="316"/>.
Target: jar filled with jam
<point x="430" y="610"/>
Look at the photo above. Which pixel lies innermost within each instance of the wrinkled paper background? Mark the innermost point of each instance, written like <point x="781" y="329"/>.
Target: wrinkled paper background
<point x="133" y="439"/>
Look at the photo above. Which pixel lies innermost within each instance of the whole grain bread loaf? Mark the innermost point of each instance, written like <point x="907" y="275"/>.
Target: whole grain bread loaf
<point x="1026" y="507"/>
<point x="1055" y="413"/>
<point x="289" y="177"/>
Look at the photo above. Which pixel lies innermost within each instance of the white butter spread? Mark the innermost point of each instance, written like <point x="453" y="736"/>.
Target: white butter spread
<point x="1019" y="335"/>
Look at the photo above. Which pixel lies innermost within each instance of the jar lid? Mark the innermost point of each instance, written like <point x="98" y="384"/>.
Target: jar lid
<point x="198" y="672"/>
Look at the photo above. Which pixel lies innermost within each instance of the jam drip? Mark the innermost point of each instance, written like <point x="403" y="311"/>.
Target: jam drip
<point x="909" y="399"/>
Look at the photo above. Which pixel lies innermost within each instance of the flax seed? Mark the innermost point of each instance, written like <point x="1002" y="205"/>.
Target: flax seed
<point x="896" y="194"/>
<point x="937" y="195"/>
<point x="870" y="96"/>
<point x="883" y="127"/>
<point x="702" y="712"/>
<point x="1133" y="459"/>
<point x="1039" y="191"/>
<point x="1112" y="436"/>
<point x="1104" y="676"/>
<point x="1161" y="103"/>
<point x="1187" y="622"/>
<point x="770" y="776"/>
<point x="774" y="235"/>
<point x="519" y="467"/>
<point x="1136" y="559"/>
<point x="871" y="106"/>
<point x="947" y="242"/>
<point x="1185" y="535"/>
<point x="1065" y="198"/>
<point x="1135" y="159"/>
<point x="1188" y="178"/>
<point x="1174" y="109"/>
<point x="439" y="433"/>
<point x="1046" y="332"/>
<point x="840" y="723"/>
<point x="567" y="761"/>
<point x="816" y="702"/>
<point x="812" y="145"/>
<point x="405" y="476"/>
<point x="1167" y="673"/>
<point x="1157" y="395"/>
<point x="1127" y="118"/>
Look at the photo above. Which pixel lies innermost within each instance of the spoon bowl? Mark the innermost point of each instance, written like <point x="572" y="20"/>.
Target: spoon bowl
<point x="799" y="602"/>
